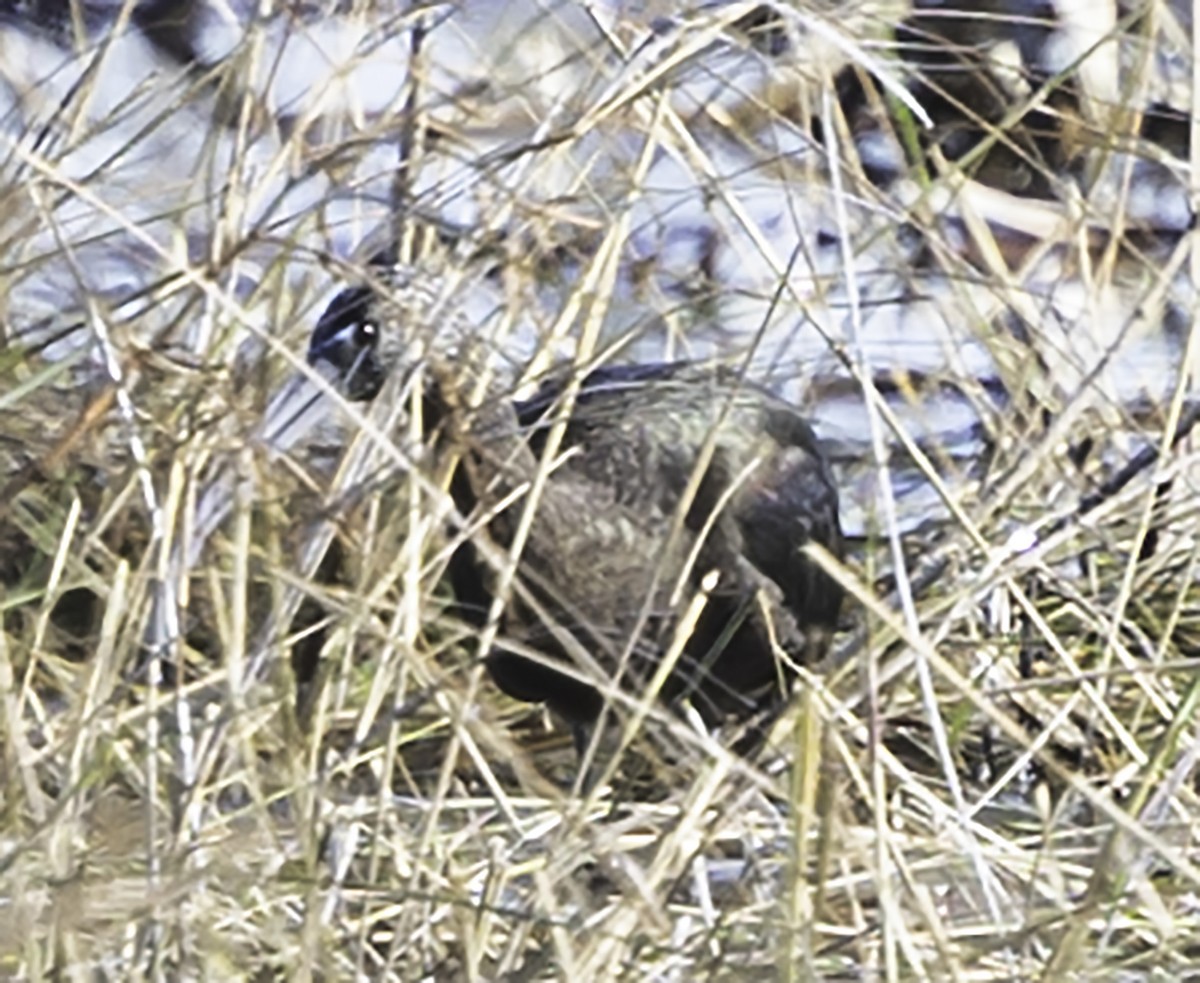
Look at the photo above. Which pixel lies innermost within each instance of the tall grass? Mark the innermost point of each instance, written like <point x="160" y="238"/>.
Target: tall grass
<point x="310" y="776"/>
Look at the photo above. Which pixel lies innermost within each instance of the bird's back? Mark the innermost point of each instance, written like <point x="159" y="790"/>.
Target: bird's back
<point x="671" y="472"/>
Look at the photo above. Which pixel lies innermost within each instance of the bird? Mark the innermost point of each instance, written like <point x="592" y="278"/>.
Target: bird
<point x="975" y="100"/>
<point x="675" y="484"/>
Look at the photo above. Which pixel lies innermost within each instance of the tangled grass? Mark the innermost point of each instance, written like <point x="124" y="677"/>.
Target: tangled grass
<point x="992" y="777"/>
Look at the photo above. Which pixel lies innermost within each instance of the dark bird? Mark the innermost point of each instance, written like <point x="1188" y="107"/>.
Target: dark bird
<point x="666" y="474"/>
<point x="983" y="117"/>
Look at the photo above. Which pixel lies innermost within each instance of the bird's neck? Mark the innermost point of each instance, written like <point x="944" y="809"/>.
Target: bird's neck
<point x="470" y="412"/>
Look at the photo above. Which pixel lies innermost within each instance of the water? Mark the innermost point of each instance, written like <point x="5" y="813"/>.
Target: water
<point x="122" y="166"/>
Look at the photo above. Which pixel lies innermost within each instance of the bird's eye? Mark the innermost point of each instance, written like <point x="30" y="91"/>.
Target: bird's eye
<point x="366" y="334"/>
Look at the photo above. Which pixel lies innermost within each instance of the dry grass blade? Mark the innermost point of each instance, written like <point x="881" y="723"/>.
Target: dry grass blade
<point x="245" y="727"/>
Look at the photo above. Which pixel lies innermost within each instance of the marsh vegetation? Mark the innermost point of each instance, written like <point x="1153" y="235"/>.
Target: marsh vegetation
<point x="245" y="733"/>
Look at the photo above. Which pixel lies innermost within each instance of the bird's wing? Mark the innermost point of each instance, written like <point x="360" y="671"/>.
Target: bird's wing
<point x="643" y="430"/>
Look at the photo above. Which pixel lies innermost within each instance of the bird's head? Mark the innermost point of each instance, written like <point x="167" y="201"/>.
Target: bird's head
<point x="364" y="334"/>
<point x="347" y="339"/>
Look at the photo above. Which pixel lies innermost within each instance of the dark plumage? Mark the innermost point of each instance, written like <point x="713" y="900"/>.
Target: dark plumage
<point x="979" y="121"/>
<point x="603" y="579"/>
